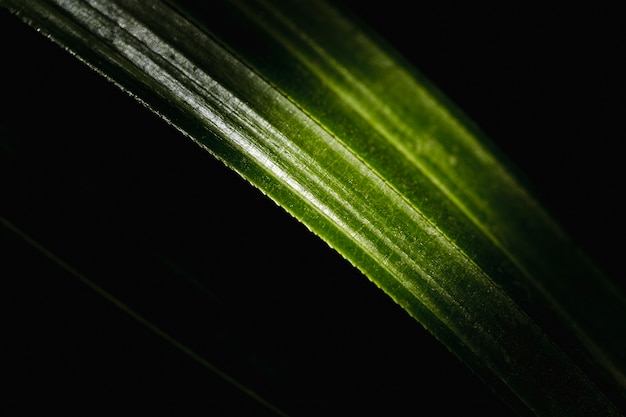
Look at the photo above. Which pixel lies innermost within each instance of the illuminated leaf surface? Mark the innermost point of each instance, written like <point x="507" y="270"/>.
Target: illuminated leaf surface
<point x="435" y="221"/>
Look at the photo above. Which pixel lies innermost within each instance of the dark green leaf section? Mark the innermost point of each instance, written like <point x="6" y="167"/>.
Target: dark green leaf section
<point x="352" y="142"/>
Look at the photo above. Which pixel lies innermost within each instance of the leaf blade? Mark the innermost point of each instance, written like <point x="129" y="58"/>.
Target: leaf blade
<point x="296" y="175"/>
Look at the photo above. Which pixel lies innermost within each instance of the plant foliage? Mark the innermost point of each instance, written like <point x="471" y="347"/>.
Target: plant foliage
<point x="324" y="118"/>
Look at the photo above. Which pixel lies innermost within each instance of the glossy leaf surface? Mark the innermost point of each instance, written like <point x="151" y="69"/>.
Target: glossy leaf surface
<point x="370" y="157"/>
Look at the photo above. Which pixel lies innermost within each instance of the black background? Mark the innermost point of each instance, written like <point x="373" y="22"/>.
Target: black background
<point x="134" y="206"/>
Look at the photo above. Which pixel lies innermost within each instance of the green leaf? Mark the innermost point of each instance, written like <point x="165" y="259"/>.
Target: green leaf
<point x="318" y="114"/>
